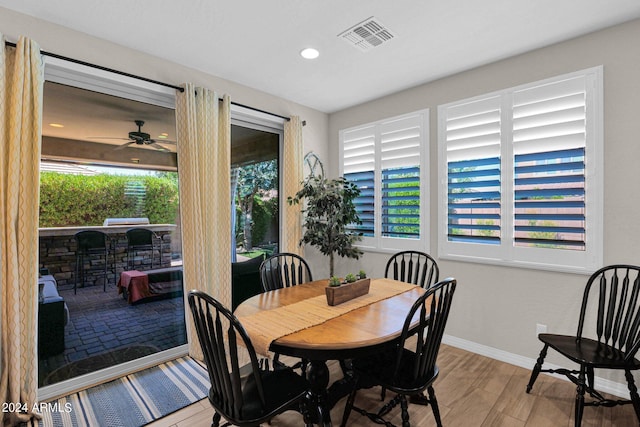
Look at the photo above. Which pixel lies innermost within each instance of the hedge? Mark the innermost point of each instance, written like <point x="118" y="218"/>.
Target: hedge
<point x="78" y="200"/>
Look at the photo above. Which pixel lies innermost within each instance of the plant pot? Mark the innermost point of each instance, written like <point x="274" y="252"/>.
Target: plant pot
<point x="347" y="291"/>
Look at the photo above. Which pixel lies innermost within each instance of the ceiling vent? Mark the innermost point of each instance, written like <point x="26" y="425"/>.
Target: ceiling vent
<point x="368" y="34"/>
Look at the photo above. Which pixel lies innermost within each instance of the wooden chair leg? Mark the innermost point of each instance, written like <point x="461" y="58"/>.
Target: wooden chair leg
<point x="580" y="397"/>
<point x="405" y="411"/>
<point x="538" y="366"/>
<point x="215" y="422"/>
<point x="347" y="407"/>
<point x="633" y="391"/>
<point x="434" y="405"/>
<point x="590" y="379"/>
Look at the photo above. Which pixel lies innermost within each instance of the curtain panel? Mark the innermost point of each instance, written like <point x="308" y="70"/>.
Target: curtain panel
<point x="292" y="160"/>
<point x="204" y="168"/>
<point x="21" y="90"/>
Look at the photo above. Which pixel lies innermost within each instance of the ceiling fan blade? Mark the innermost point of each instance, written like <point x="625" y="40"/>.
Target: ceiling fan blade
<point x="107" y="137"/>
<point x="120" y="147"/>
<point x="157" y="146"/>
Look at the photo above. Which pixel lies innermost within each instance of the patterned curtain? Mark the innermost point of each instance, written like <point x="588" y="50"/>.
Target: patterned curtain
<point x="204" y="168"/>
<point x="21" y="89"/>
<point x="292" y="230"/>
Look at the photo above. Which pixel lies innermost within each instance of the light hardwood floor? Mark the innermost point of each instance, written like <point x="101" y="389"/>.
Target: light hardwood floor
<point x="472" y="390"/>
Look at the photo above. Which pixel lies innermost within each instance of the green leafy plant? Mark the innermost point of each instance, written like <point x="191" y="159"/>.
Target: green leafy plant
<point x="350" y="278"/>
<point x="77" y="200"/>
<point x="362" y="274"/>
<point x="328" y="210"/>
<point x="334" y="282"/>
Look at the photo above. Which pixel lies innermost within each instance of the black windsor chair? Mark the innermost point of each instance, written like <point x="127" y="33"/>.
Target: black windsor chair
<point x="284" y="270"/>
<point x="403" y="371"/>
<point x="414" y="267"/>
<point x="242" y="401"/>
<point x="610" y="313"/>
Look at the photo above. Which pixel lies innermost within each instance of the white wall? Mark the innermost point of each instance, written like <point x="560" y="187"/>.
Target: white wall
<point x="500" y="306"/>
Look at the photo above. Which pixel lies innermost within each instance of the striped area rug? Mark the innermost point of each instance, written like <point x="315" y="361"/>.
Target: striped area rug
<point x="134" y="400"/>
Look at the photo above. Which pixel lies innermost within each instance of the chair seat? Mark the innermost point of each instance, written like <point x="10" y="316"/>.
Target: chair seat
<point x="378" y="366"/>
<point x="588" y="352"/>
<point x="281" y="387"/>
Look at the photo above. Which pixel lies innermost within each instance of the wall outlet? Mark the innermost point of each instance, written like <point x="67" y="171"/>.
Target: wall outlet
<point x="541" y="329"/>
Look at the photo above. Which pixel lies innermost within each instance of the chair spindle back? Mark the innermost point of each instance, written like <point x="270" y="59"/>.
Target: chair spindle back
<point x="617" y="322"/>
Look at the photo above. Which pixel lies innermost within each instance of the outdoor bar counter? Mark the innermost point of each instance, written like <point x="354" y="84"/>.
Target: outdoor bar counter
<point x="58" y="252"/>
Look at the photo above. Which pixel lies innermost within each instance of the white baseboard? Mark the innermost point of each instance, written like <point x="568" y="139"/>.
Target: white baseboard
<point x="604" y="385"/>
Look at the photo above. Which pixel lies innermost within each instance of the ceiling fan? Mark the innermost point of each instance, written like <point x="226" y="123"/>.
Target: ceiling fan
<point x="141" y="138"/>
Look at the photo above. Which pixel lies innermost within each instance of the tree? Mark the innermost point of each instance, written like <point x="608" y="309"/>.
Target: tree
<point x="254" y="179"/>
<point x="329" y="209"/>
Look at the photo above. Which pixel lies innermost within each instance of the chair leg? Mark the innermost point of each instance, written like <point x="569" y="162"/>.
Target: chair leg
<point x="106" y="263"/>
<point x="538" y="366"/>
<point x="215" y="422"/>
<point x="590" y="379"/>
<point x="75" y="281"/>
<point x="580" y="397"/>
<point x="633" y="391"/>
<point x="347" y="407"/>
<point x="405" y="411"/>
<point x="434" y="406"/>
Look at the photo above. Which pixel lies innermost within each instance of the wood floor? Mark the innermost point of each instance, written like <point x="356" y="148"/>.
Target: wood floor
<point x="472" y="390"/>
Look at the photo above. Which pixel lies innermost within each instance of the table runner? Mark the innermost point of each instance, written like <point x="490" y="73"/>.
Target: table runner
<point x="269" y="325"/>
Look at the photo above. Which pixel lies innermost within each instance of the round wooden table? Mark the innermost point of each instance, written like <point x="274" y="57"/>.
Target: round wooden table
<point x="361" y="331"/>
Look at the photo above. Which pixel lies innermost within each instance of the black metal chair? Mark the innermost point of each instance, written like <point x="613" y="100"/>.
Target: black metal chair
<point x="414" y="267"/>
<point x="141" y="239"/>
<point x="284" y="270"/>
<point x="90" y="243"/>
<point x="241" y="401"/>
<point x="403" y="371"/>
<point x="610" y="314"/>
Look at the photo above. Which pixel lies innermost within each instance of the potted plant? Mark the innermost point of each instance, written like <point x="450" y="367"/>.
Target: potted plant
<point x="353" y="286"/>
<point x="328" y="211"/>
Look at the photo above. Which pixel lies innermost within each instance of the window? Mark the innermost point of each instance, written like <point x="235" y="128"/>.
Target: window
<point x="522" y="170"/>
<point x="387" y="161"/>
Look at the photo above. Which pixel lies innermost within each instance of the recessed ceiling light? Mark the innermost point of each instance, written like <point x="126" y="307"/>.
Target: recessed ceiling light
<point x="309" y="53"/>
<point x="56" y="125"/>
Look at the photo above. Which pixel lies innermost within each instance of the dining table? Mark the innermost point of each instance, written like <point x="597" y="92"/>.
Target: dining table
<point x="297" y="321"/>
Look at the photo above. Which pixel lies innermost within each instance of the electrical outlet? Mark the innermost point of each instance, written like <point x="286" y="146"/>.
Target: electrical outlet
<point x="541" y="329"/>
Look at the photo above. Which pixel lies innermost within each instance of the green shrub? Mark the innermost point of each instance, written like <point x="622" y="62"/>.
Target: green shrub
<point x="77" y="200"/>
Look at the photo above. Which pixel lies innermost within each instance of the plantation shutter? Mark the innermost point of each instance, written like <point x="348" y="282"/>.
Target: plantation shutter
<point x="359" y="168"/>
<point x="549" y="140"/>
<point x="472" y="150"/>
<point x="400" y="165"/>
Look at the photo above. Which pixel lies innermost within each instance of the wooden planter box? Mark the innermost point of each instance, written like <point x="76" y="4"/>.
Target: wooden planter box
<point x="348" y="291"/>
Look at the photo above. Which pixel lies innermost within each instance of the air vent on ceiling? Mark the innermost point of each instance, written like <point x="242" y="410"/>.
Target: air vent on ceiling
<point x="368" y="34"/>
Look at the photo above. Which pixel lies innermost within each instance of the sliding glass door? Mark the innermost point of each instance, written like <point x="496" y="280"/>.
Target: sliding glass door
<point x="108" y="166"/>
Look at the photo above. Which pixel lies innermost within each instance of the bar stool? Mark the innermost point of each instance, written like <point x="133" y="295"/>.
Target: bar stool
<point x="140" y="239"/>
<point x="90" y="243"/>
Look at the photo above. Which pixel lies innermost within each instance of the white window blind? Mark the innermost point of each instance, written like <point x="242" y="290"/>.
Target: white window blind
<point x="473" y="135"/>
<point x="359" y="162"/>
<point x="524" y="175"/>
<point x="387" y="161"/>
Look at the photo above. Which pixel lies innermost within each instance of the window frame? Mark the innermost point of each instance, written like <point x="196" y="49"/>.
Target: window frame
<point x="506" y="253"/>
<point x="379" y="243"/>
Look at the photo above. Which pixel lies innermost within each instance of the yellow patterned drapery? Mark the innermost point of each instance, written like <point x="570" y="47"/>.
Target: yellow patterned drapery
<point x="292" y="159"/>
<point x="21" y="89"/>
<point x="204" y="168"/>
